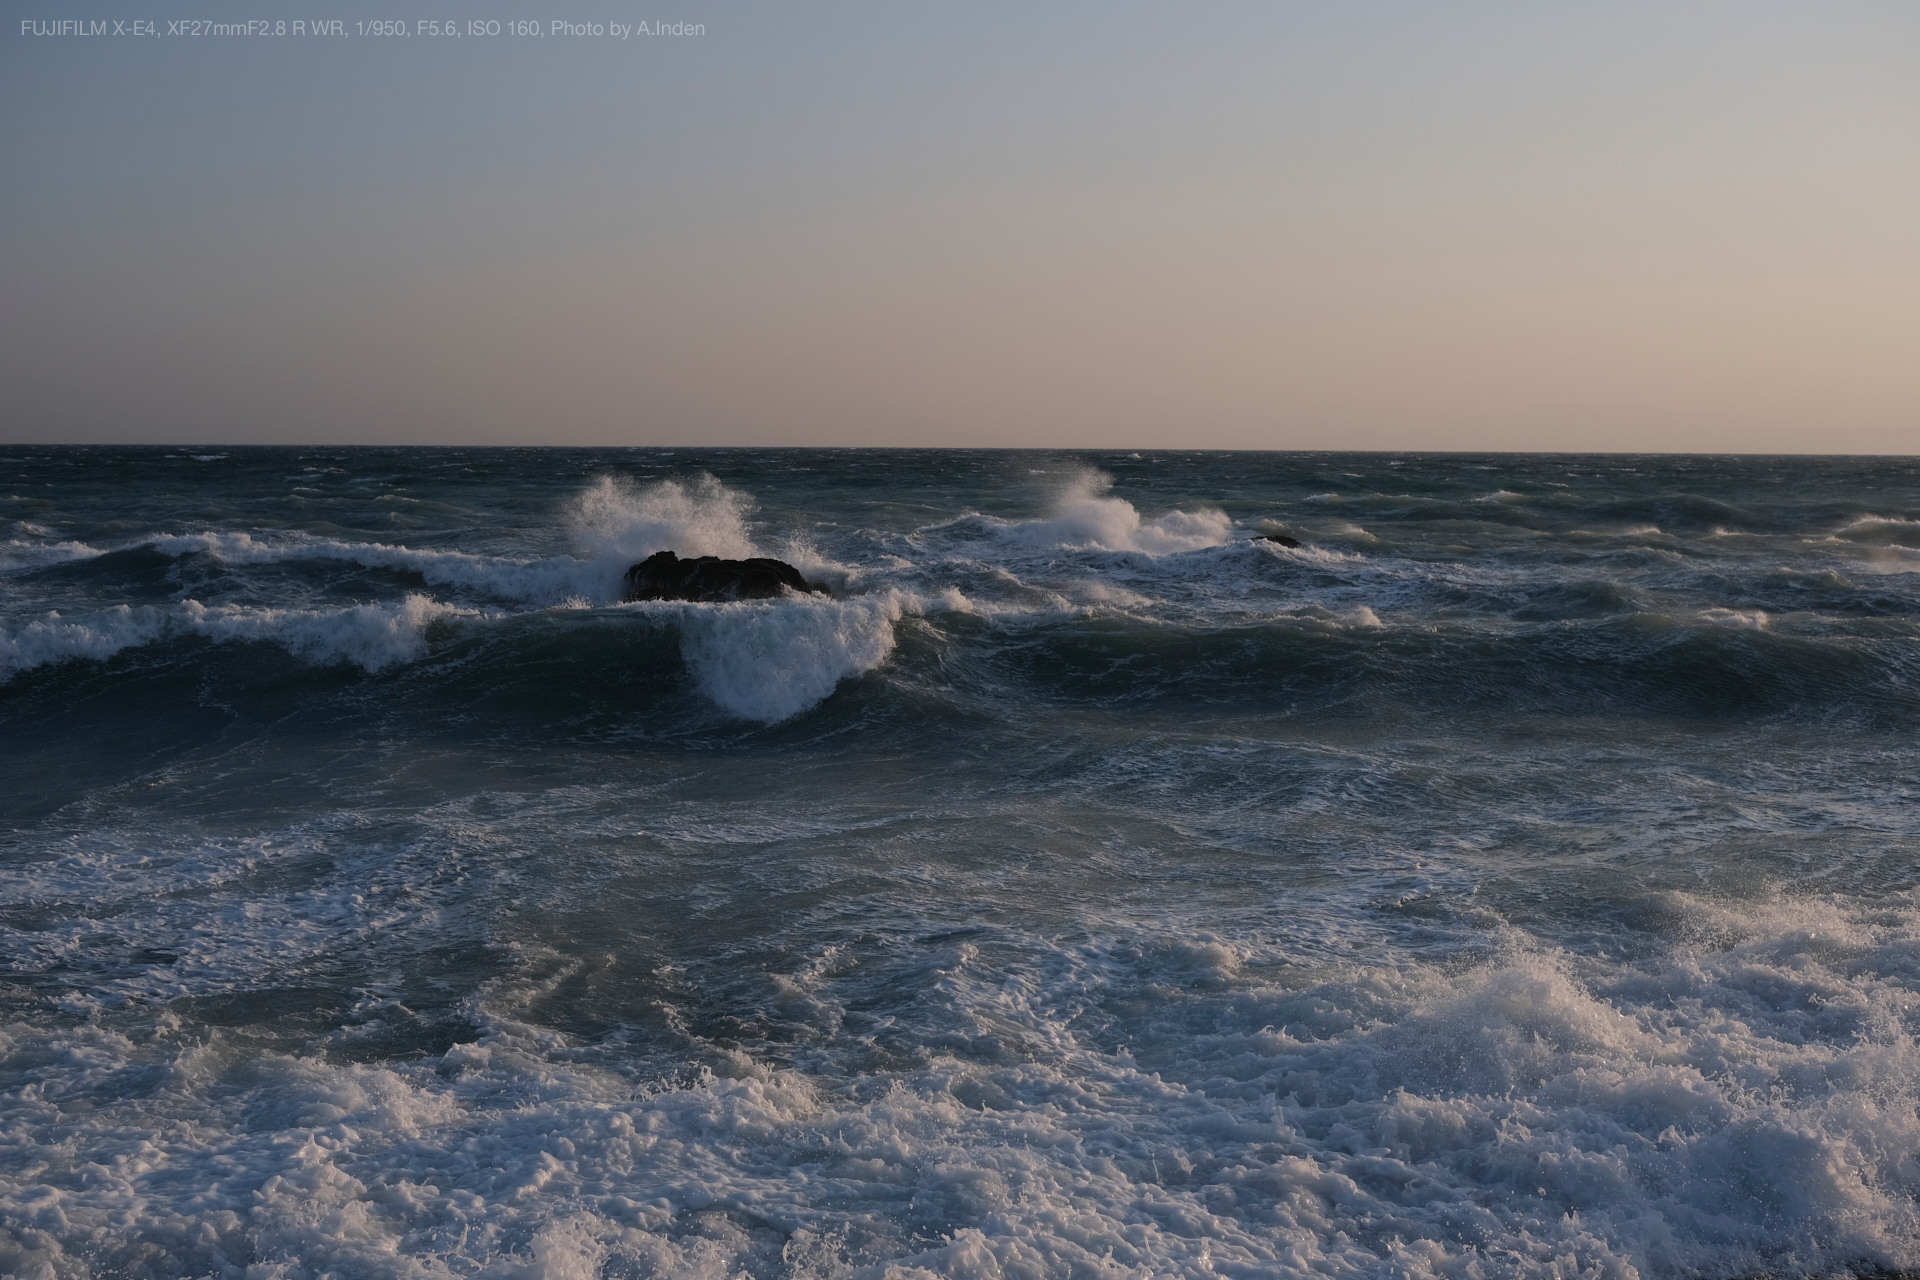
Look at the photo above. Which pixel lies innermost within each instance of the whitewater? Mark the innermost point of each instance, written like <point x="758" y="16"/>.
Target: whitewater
<point x="1515" y="878"/>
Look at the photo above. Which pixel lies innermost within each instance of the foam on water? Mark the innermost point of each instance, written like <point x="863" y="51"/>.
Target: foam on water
<point x="17" y="552"/>
<point x="1880" y="529"/>
<point x="615" y="522"/>
<point x="372" y="636"/>
<point x="57" y="639"/>
<point x="771" y="660"/>
<point x="765" y="661"/>
<point x="1739" y="1104"/>
<point x="541" y="581"/>
<point x="759" y="661"/>
<point x="1086" y="516"/>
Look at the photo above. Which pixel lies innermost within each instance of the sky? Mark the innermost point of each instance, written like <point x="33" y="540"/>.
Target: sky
<point x="1366" y="225"/>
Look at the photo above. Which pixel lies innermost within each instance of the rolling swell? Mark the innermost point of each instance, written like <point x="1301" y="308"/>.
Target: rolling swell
<point x="1622" y="662"/>
<point x="1634" y="665"/>
<point x="1176" y="614"/>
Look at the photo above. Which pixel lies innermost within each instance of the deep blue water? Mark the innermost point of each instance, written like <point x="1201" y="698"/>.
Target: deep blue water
<point x="1515" y="879"/>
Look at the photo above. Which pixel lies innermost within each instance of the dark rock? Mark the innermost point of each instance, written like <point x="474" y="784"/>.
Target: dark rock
<point x="665" y="576"/>
<point x="1281" y="538"/>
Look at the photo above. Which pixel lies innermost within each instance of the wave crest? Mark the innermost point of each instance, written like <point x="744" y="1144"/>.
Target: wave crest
<point x="371" y="636"/>
<point x="771" y="661"/>
<point x="1087" y="517"/>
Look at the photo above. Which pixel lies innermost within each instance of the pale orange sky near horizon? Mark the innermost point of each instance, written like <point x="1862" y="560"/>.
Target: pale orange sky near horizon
<point x="1688" y="227"/>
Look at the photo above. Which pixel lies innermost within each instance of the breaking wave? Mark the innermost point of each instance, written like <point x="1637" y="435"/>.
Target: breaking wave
<point x="771" y="661"/>
<point x="371" y="636"/>
<point x="1087" y="517"/>
<point x="760" y="660"/>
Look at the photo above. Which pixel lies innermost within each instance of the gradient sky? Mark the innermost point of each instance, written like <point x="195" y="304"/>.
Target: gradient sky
<point x="1611" y="226"/>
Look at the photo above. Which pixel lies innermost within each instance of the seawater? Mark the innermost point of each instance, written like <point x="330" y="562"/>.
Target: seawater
<point x="1515" y="879"/>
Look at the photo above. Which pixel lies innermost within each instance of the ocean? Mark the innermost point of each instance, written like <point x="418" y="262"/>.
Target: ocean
<point x="1514" y="879"/>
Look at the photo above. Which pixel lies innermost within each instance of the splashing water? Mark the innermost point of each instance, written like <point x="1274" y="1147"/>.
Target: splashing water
<point x="700" y="517"/>
<point x="1087" y="517"/>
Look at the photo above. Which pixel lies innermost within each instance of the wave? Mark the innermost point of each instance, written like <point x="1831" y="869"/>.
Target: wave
<point x="1087" y="518"/>
<point x="1137" y="906"/>
<point x="23" y="552"/>
<point x="758" y="660"/>
<point x="614" y="523"/>
<point x="548" y="580"/>
<point x="1689" y="511"/>
<point x="1881" y="531"/>
<point x="373" y="637"/>
<point x="1315" y="660"/>
<point x="1173" y="606"/>
<point x="769" y="661"/>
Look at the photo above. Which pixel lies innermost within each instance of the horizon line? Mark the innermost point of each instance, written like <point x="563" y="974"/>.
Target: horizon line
<point x="934" y="448"/>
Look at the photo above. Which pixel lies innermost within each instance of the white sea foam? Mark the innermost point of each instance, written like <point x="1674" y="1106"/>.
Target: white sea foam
<point x="372" y="636"/>
<point x="25" y="552"/>
<point x="770" y="660"/>
<point x="1738" y="619"/>
<point x="54" y="638"/>
<point x="1321" y="555"/>
<point x="1095" y="591"/>
<point x="1351" y="532"/>
<point x="817" y="567"/>
<point x="539" y="581"/>
<point x="1739" y="1106"/>
<point x="1087" y="517"/>
<point x="615" y="522"/>
<point x="1879" y="529"/>
<point x="762" y="661"/>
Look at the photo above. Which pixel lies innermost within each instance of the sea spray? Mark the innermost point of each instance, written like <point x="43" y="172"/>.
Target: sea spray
<point x="1086" y="515"/>
<point x="621" y="522"/>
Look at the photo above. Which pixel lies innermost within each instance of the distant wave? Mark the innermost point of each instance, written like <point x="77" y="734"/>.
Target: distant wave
<point x="20" y="552"/>
<point x="1087" y="517"/>
<point x="371" y="636"/>
<point x="1183" y="602"/>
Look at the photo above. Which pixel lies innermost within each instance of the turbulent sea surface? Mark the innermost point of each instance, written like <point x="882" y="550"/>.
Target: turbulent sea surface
<point x="1515" y="879"/>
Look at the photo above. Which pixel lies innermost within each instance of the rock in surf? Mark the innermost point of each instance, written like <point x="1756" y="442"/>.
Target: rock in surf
<point x="709" y="579"/>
